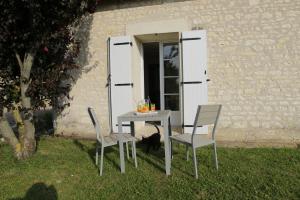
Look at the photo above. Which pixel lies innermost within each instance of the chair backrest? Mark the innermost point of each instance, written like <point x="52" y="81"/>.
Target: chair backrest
<point x="207" y="115"/>
<point x="95" y="123"/>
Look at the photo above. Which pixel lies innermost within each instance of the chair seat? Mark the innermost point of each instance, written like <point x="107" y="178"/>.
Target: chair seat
<point x="125" y="137"/>
<point x="199" y="140"/>
<point x="109" y="140"/>
<point x="113" y="139"/>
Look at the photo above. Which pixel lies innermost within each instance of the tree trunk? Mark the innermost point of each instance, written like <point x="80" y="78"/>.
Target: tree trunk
<point x="20" y="124"/>
<point x="29" y="143"/>
<point x="26" y="145"/>
<point x="29" y="139"/>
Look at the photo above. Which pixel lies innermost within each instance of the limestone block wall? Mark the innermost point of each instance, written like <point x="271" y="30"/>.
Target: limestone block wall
<point x="253" y="62"/>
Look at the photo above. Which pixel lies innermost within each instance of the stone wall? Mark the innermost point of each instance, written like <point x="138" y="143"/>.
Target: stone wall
<point x="254" y="64"/>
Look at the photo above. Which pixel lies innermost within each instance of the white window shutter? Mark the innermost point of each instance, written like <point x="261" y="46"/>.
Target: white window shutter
<point x="120" y="79"/>
<point x="194" y="78"/>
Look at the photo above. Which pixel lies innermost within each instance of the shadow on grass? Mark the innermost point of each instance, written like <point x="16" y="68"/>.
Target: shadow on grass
<point x="155" y="158"/>
<point x="40" y="191"/>
<point x="91" y="151"/>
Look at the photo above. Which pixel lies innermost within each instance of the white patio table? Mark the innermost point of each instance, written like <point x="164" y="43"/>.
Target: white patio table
<point x="163" y="116"/>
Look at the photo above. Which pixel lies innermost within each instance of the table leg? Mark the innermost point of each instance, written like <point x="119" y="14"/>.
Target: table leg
<point x="121" y="148"/>
<point x="170" y="134"/>
<point x="132" y="131"/>
<point x="167" y="146"/>
<point x="132" y="134"/>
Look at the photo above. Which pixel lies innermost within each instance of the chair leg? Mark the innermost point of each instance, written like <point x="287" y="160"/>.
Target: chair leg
<point x="195" y="162"/>
<point x="127" y="150"/>
<point x="132" y="149"/>
<point x="101" y="161"/>
<point x="171" y="145"/>
<point x="97" y="153"/>
<point x="216" y="158"/>
<point x="134" y="153"/>
<point x="187" y="152"/>
<point x="171" y="150"/>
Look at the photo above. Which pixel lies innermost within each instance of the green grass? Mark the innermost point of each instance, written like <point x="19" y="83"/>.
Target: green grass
<point x="65" y="169"/>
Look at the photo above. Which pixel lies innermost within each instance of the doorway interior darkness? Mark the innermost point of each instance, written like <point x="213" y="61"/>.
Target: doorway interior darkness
<point x="152" y="72"/>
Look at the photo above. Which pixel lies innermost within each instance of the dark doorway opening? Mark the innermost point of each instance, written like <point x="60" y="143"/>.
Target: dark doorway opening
<point x="151" y="73"/>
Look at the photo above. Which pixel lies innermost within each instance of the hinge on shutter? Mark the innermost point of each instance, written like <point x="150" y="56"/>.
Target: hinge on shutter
<point x="185" y="39"/>
<point x="123" y="43"/>
<point x="123" y="124"/>
<point x="188" y="126"/>
<point x="191" y="82"/>
<point x="124" y="84"/>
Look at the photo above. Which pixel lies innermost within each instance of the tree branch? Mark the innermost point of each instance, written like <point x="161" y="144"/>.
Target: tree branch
<point x="28" y="62"/>
<point x="9" y="135"/>
<point x="19" y="61"/>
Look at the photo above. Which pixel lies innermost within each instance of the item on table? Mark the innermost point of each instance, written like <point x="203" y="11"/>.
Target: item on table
<point x="140" y="106"/>
<point x="146" y="108"/>
<point x="152" y="107"/>
<point x="143" y="106"/>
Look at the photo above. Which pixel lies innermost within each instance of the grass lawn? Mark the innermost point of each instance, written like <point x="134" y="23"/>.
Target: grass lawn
<point x="65" y="168"/>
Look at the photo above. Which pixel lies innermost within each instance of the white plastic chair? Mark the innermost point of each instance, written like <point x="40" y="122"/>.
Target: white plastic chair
<point x="112" y="139"/>
<point x="206" y="115"/>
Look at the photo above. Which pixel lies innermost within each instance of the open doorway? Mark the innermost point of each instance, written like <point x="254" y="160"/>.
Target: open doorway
<point x="161" y="77"/>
